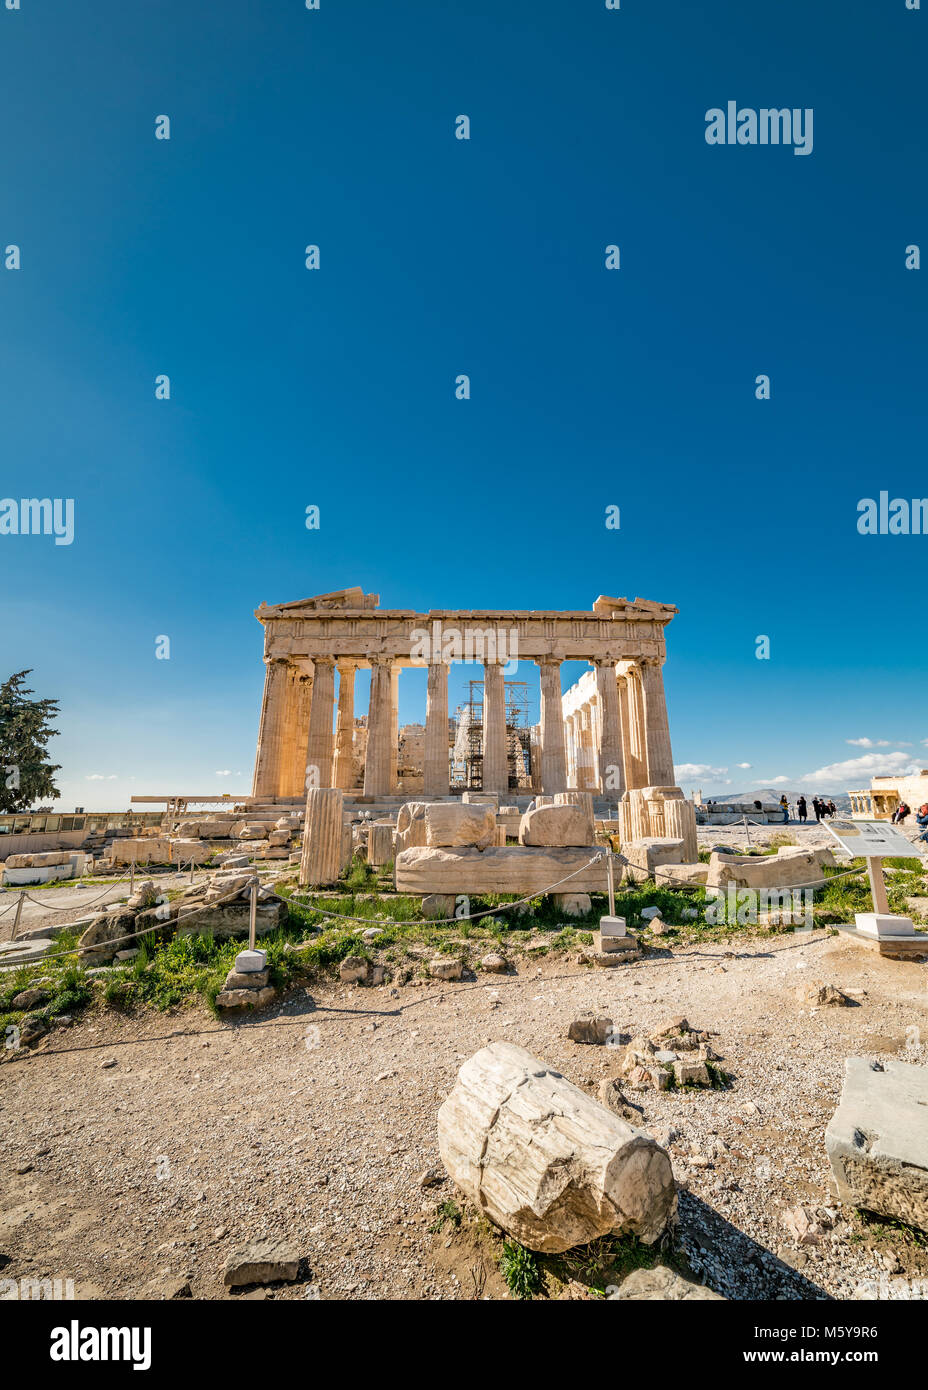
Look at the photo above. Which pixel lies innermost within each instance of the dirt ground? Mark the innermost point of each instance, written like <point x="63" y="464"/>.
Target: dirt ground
<point x="138" y="1150"/>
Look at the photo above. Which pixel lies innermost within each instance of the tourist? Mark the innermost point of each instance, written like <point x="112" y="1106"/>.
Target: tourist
<point x="902" y="811"/>
<point x="802" y="810"/>
<point x="784" y="807"/>
<point x="817" y="808"/>
<point x="922" y="820"/>
<point x="832" y="809"/>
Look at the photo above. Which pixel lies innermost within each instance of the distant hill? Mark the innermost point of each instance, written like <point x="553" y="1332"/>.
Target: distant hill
<point x="768" y="794"/>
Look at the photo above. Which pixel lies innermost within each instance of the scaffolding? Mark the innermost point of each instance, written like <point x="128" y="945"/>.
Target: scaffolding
<point x="467" y="755"/>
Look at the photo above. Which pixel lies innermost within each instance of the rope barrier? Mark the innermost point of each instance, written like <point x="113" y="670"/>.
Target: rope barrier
<point x="133" y="936"/>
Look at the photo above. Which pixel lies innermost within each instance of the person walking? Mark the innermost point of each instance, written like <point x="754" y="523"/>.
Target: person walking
<point x="817" y="808"/>
<point x="802" y="810"/>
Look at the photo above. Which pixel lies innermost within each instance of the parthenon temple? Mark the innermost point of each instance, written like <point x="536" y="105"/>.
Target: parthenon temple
<point x="608" y="734"/>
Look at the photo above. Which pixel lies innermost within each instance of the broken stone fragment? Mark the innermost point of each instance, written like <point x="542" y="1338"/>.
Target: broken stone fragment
<point x="661" y="1283"/>
<point x="262" y="1262"/>
<point x="590" y="1028"/>
<point x="246" y="979"/>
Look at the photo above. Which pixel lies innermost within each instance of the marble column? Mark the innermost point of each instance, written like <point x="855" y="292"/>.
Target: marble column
<point x="495" y="761"/>
<point x="553" y="763"/>
<point x="570" y="735"/>
<point x="585" y="754"/>
<point x="379" y="722"/>
<point x="323" y="829"/>
<point x="435" y="770"/>
<point x="611" y="757"/>
<point x="295" y="735"/>
<point x="344" y="726"/>
<point x="636" y="766"/>
<point x="271" y="730"/>
<point x="657" y="729"/>
<point x="319" y="744"/>
<point x="394" y="728"/>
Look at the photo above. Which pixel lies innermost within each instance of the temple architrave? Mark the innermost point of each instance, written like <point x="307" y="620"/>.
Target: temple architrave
<point x="608" y="734"/>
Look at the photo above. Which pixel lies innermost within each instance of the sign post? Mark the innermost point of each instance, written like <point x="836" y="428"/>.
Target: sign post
<point x="876" y="840"/>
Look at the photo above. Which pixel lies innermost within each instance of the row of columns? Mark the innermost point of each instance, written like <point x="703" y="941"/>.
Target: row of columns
<point x="619" y="740"/>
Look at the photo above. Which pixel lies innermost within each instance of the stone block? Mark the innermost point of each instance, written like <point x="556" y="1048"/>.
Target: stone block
<point x="514" y="870"/>
<point x="450" y="825"/>
<point x="877" y="1140"/>
<point x="556" y="826"/>
<point x="650" y="853"/>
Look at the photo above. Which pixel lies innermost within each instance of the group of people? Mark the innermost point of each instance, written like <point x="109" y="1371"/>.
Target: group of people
<point x="822" y="809"/>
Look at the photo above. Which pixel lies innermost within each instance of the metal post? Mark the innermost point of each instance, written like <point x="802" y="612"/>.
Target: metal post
<point x="19" y="908"/>
<point x="132" y="875"/>
<point x="747" y="828"/>
<point x="191" y="871"/>
<point x="254" y="914"/>
<point x="877" y="886"/>
<point x="610" y="876"/>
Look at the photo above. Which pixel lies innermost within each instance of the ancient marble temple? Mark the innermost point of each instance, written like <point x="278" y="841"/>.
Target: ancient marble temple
<point x="608" y="734"/>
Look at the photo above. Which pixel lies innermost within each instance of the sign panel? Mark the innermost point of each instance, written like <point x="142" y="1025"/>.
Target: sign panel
<point x="871" y="839"/>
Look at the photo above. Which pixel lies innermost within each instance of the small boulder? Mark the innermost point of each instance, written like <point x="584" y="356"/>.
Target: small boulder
<point x="30" y="999"/>
<point x="493" y="963"/>
<point x="352" y="969"/>
<point x="663" y="1284"/>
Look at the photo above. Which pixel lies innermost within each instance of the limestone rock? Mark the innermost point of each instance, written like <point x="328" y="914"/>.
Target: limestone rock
<point x="30" y="999"/>
<point x="647" y="856"/>
<point x="572" y="904"/>
<point x="545" y="1162"/>
<point x="556" y="826"/>
<point x="262" y="1262"/>
<point x="493" y="963"/>
<point x="32" y="1028"/>
<point x="246" y="979"/>
<point x="661" y="1283"/>
<point x="764" y="871"/>
<point x="610" y="1095"/>
<point x="103" y="938"/>
<point x="183" y="851"/>
<point x="446" y="968"/>
<point x="145" y="895"/>
<point x="590" y="1028"/>
<point x="450" y="825"/>
<point x="877" y="1140"/>
<point x="352" y="969"/>
<point x="439" y="906"/>
<point x="820" y="996"/>
<point x="410" y="825"/>
<point x="246" y="998"/>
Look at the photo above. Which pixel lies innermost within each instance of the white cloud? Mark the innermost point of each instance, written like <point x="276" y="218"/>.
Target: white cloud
<point x="227" y="773"/>
<point x="877" y="742"/>
<point x="687" y="771"/>
<point x="100" y="777"/>
<point x="742" y="764"/>
<point x="860" y="770"/>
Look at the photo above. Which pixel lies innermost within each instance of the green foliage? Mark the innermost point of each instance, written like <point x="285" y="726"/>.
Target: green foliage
<point x="447" y="1214"/>
<point x="521" y="1271"/>
<point x="26" y="774"/>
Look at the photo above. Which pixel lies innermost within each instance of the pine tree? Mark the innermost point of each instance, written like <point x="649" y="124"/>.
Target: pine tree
<point x="26" y="775"/>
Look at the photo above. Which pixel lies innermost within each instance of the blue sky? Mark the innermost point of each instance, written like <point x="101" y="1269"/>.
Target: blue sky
<point x="438" y="256"/>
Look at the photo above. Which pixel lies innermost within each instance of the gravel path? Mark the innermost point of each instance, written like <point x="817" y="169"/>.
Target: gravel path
<point x="134" y="1150"/>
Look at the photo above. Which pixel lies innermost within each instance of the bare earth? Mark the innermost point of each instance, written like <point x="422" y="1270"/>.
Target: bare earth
<point x="316" y="1120"/>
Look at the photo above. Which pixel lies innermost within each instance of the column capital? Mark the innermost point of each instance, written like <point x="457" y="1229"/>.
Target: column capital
<point x="346" y="663"/>
<point x="325" y="661"/>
